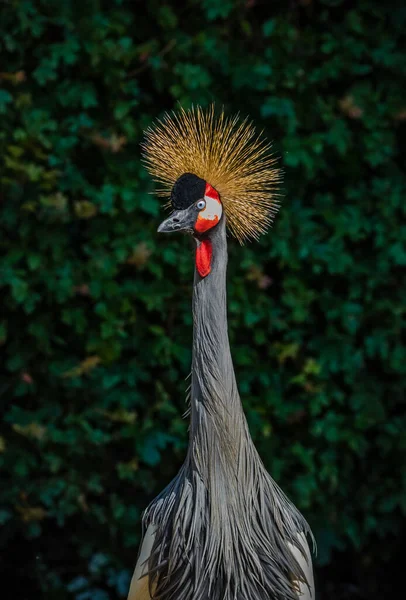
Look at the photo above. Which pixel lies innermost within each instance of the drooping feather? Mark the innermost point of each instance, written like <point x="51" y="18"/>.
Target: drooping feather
<point x="228" y="153"/>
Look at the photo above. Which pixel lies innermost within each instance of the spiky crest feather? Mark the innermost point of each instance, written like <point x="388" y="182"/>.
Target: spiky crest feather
<point x="228" y="153"/>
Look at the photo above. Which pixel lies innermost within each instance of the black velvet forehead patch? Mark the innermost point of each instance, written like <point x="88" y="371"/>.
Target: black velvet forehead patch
<point x="187" y="189"/>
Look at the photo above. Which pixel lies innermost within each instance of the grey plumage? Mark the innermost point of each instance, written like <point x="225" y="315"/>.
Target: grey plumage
<point x="223" y="529"/>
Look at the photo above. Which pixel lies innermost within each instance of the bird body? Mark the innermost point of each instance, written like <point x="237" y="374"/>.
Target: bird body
<point x="222" y="529"/>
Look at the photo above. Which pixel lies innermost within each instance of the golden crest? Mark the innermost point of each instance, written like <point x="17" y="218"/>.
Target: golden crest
<point x="227" y="153"/>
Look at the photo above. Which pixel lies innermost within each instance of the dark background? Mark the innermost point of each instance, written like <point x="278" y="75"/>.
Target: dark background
<point x="95" y="326"/>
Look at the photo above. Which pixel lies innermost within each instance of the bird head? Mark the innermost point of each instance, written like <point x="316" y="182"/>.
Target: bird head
<point x="210" y="166"/>
<point x="197" y="206"/>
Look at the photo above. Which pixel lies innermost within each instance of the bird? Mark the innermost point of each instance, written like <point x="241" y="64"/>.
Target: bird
<point x="222" y="529"/>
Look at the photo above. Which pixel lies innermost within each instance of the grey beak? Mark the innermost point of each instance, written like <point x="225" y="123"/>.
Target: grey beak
<point x="180" y="220"/>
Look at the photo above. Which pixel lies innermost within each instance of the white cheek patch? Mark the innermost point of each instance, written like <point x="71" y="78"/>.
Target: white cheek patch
<point x="211" y="214"/>
<point x="213" y="210"/>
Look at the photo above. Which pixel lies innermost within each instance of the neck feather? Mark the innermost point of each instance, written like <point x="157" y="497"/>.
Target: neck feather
<point x="217" y="418"/>
<point x="223" y="527"/>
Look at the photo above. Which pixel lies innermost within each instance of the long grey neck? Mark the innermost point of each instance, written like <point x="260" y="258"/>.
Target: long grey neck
<point x="217" y="418"/>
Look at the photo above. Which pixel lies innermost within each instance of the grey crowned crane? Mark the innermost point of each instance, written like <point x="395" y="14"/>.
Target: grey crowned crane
<point x="222" y="529"/>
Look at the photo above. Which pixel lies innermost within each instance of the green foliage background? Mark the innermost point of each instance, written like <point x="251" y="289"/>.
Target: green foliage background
<point x="95" y="327"/>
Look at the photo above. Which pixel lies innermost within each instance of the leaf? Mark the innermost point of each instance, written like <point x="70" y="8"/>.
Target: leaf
<point x="31" y="513"/>
<point x="85" y="209"/>
<point x="31" y="430"/>
<point x="5" y="99"/>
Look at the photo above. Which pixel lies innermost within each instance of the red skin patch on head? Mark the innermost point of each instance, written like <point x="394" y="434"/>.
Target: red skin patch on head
<point x="203" y="258"/>
<point x="203" y="224"/>
<point x="211" y="192"/>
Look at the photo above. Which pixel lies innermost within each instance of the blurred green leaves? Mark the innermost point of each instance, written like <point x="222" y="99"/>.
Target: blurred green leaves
<point x="95" y="331"/>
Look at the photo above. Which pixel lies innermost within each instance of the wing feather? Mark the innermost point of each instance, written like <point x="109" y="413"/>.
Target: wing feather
<point x="304" y="592"/>
<point x="139" y="588"/>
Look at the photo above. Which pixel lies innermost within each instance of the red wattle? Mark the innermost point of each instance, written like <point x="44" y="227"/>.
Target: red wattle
<point x="203" y="258"/>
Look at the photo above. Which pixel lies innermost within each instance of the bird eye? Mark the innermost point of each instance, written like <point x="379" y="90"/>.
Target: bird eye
<point x="201" y="204"/>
